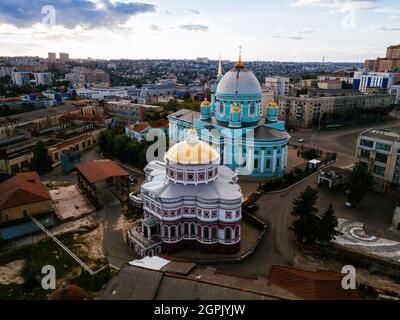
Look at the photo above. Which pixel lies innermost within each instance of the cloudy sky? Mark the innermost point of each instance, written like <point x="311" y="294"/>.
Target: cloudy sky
<point x="284" y="30"/>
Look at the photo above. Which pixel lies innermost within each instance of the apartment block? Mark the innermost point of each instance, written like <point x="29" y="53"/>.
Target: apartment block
<point x="378" y="151"/>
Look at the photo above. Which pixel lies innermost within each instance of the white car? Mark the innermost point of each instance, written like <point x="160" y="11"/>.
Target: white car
<point x="302" y="140"/>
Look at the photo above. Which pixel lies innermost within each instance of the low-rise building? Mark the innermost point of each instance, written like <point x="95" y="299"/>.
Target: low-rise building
<point x="139" y="131"/>
<point x="125" y="112"/>
<point x="330" y="85"/>
<point x="365" y="79"/>
<point x="180" y="122"/>
<point x="378" y="151"/>
<point x="395" y="92"/>
<point x="21" y="197"/>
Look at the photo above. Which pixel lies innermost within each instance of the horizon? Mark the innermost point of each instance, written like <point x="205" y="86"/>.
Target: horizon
<point x="288" y="31"/>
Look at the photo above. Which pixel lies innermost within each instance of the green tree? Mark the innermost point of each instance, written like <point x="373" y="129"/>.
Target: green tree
<point x="306" y="225"/>
<point x="120" y="148"/>
<point x="106" y="142"/>
<point x="359" y="184"/>
<point x="328" y="225"/>
<point x="41" y="161"/>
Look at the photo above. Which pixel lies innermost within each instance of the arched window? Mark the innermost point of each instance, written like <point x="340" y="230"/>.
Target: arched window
<point x="192" y="229"/>
<point x="166" y="235"/>
<point x="228" y="233"/>
<point x="173" y="232"/>
<point x="255" y="163"/>
<point x="221" y="107"/>
<point x="214" y="232"/>
<point x="237" y="232"/>
<point x="179" y="230"/>
<point x="199" y="230"/>
<point x="206" y="233"/>
<point x="268" y="163"/>
<point x="252" y="108"/>
<point x="186" y="228"/>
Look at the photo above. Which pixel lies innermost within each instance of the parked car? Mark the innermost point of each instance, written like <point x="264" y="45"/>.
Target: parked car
<point x="302" y="140"/>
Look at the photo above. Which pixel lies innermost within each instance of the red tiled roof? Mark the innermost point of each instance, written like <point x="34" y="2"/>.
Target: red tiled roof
<point x="98" y="170"/>
<point x="309" y="285"/>
<point x="162" y="123"/>
<point x="22" y="189"/>
<point x="140" y="127"/>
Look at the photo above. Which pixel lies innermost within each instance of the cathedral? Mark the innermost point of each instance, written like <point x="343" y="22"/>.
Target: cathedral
<point x="189" y="201"/>
<point x="231" y="122"/>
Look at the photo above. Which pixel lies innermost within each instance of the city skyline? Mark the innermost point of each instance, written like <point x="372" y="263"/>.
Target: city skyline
<point x="339" y="30"/>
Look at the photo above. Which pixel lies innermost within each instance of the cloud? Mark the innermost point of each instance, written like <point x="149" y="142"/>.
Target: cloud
<point x="289" y="37"/>
<point x="70" y="13"/>
<point x="193" y="27"/>
<point x="305" y="31"/>
<point x="193" y="11"/>
<point x="154" y="27"/>
<point x="338" y="4"/>
<point x="388" y="28"/>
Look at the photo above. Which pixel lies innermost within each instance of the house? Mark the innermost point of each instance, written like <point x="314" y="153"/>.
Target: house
<point x="139" y="130"/>
<point x="23" y="196"/>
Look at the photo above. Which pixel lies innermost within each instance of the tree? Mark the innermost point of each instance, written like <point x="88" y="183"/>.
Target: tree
<point x="41" y="161"/>
<point x="306" y="225"/>
<point x="328" y="225"/>
<point x="106" y="142"/>
<point x="359" y="184"/>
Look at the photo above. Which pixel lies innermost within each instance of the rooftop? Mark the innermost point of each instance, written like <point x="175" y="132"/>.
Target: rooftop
<point x="186" y="114"/>
<point x="136" y="283"/>
<point x="310" y="285"/>
<point x="98" y="170"/>
<point x="22" y="189"/>
<point x="382" y="134"/>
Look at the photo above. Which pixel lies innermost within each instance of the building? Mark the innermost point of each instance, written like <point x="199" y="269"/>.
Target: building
<point x="180" y="122"/>
<point x="52" y="56"/>
<point x="312" y="285"/>
<point x="395" y="92"/>
<point x="154" y="279"/>
<point x="64" y="56"/>
<point x="378" y="151"/>
<point x="80" y="75"/>
<point x="139" y="131"/>
<point x="45" y="79"/>
<point x="390" y="63"/>
<point x="94" y="174"/>
<point x="249" y="144"/>
<point x="365" y="79"/>
<point x="80" y="143"/>
<point x="5" y="70"/>
<point x="308" y="110"/>
<point x="190" y="201"/>
<point x="344" y="77"/>
<point x="21" y="79"/>
<point x="330" y="85"/>
<point x="125" y="112"/>
<point x="278" y="85"/>
<point x="23" y="196"/>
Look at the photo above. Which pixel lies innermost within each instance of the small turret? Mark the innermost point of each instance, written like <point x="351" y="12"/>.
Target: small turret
<point x="235" y="116"/>
<point x="205" y="110"/>
<point x="272" y="112"/>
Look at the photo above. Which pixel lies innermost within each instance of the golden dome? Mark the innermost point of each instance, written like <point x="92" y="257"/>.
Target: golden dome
<point x="192" y="151"/>
<point x="205" y="103"/>
<point x="272" y="105"/>
<point x="236" y="108"/>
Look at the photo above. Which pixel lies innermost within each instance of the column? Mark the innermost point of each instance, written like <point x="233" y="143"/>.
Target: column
<point x="274" y="162"/>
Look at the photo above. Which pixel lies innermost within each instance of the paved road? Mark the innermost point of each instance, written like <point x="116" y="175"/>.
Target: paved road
<point x="342" y="141"/>
<point x="114" y="246"/>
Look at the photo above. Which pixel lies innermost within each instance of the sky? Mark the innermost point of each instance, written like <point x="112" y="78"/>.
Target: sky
<point x="269" y="30"/>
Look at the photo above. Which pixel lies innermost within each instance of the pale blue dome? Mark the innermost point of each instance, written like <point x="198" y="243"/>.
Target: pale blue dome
<point x="239" y="81"/>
